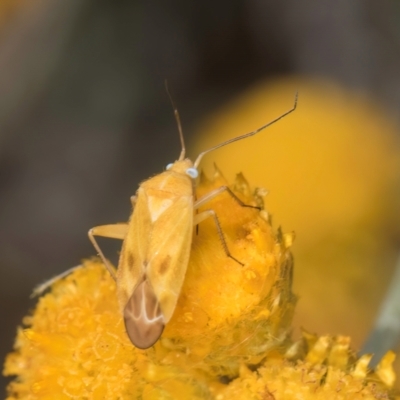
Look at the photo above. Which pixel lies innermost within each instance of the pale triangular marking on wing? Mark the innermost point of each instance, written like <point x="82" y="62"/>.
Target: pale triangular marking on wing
<point x="157" y="206"/>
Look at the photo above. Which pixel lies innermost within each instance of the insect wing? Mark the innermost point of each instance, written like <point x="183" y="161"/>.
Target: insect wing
<point x="143" y="317"/>
<point x="153" y="262"/>
<point x="169" y="251"/>
<point x="134" y="250"/>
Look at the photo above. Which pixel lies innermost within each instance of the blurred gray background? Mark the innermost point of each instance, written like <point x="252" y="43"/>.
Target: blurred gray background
<point x="84" y="115"/>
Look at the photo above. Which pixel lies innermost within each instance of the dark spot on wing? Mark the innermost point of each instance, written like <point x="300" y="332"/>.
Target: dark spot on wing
<point x="130" y="260"/>
<point x="164" y="265"/>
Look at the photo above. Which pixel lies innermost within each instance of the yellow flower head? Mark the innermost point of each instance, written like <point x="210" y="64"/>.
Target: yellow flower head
<point x="227" y="315"/>
<point x="228" y="337"/>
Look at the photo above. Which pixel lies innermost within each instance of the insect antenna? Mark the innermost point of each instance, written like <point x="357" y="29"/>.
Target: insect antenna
<point x="246" y="135"/>
<point x="178" y="121"/>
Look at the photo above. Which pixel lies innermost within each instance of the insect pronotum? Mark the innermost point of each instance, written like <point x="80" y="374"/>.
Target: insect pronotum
<point x="157" y="242"/>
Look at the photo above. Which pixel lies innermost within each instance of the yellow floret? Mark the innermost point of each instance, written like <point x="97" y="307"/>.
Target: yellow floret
<point x="329" y="370"/>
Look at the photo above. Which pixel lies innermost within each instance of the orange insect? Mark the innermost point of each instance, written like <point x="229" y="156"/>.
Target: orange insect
<point x="157" y="242"/>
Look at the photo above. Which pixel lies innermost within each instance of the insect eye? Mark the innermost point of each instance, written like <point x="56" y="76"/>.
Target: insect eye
<point x="169" y="166"/>
<point x="192" y="172"/>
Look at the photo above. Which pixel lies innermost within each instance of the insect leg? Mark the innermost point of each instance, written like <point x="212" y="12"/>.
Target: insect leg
<point x="211" y="213"/>
<point x="115" y="231"/>
<point x="39" y="289"/>
<point x="216" y="192"/>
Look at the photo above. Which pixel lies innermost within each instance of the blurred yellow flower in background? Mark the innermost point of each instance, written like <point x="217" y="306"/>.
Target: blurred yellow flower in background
<point x="332" y="169"/>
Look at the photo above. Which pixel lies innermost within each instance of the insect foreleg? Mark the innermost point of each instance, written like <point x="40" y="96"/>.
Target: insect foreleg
<point x="211" y="213"/>
<point x="115" y="231"/>
<point x="214" y="193"/>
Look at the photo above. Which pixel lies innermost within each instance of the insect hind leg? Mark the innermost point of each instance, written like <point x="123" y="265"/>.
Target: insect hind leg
<point x="216" y="192"/>
<point x="39" y="289"/>
<point x="211" y="213"/>
<point x="115" y="231"/>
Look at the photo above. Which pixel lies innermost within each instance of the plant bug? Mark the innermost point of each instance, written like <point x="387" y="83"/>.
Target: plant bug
<point x="157" y="242"/>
